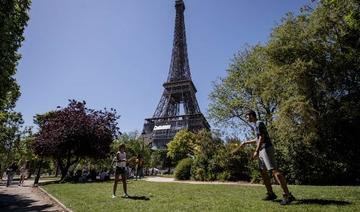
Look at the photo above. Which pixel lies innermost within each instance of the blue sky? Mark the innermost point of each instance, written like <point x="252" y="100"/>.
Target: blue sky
<point x="116" y="53"/>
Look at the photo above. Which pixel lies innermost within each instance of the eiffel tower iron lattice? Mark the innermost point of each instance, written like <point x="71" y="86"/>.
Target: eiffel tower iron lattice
<point x="179" y="90"/>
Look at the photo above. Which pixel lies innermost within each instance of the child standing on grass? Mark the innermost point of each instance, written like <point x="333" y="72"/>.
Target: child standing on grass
<point x="120" y="169"/>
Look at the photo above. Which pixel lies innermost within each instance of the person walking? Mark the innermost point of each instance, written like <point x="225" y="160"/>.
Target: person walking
<point x="139" y="165"/>
<point x="266" y="155"/>
<point x="120" y="170"/>
<point x="10" y="172"/>
<point x="137" y="160"/>
<point x="23" y="173"/>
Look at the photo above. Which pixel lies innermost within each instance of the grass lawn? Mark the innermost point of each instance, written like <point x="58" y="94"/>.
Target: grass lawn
<point x="189" y="197"/>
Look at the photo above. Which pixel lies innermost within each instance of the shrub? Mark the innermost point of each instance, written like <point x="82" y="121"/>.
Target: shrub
<point x="183" y="169"/>
<point x="224" y="176"/>
<point x="198" y="173"/>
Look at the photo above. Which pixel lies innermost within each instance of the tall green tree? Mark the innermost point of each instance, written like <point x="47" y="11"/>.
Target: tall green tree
<point x="245" y="87"/>
<point x="308" y="73"/>
<point x="135" y="145"/>
<point x="181" y="146"/>
<point x="13" y="19"/>
<point x="318" y="55"/>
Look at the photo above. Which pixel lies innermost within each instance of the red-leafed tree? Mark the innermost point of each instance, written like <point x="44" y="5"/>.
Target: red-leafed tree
<point x="74" y="132"/>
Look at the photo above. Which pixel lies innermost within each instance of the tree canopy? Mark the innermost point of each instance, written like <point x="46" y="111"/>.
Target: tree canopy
<point x="13" y="20"/>
<point x="305" y="83"/>
<point x="75" y="132"/>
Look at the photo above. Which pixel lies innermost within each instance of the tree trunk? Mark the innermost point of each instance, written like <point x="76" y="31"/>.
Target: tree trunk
<point x="57" y="169"/>
<point x="36" y="182"/>
<point x="63" y="173"/>
<point x="64" y="168"/>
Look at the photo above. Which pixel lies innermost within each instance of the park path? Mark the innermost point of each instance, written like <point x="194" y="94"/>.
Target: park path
<point x="172" y="180"/>
<point x="25" y="198"/>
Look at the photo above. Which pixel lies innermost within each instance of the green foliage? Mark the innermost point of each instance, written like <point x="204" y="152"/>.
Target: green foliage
<point x="159" y="159"/>
<point x="183" y="168"/>
<point x="238" y="164"/>
<point x="305" y="84"/>
<point x="318" y="120"/>
<point x="245" y="87"/>
<point x="11" y="142"/>
<point x="13" y="19"/>
<point x="135" y="145"/>
<point x="208" y="157"/>
<point x="181" y="146"/>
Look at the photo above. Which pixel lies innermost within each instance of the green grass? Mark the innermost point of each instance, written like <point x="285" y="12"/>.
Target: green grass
<point x="189" y="197"/>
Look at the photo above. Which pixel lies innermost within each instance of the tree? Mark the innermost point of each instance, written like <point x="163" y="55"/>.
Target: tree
<point x="75" y="132"/>
<point x="10" y="137"/>
<point x="317" y="54"/>
<point x="13" y="19"/>
<point x="245" y="87"/>
<point x="305" y="83"/>
<point x="210" y="157"/>
<point x="181" y="146"/>
<point x="135" y="145"/>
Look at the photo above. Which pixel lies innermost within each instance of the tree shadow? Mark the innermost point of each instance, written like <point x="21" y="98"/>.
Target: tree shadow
<point x="318" y="202"/>
<point x="135" y="197"/>
<point x="18" y="203"/>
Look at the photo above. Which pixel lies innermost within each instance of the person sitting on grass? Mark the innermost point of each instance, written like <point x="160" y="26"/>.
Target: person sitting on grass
<point x="120" y="169"/>
<point x="265" y="153"/>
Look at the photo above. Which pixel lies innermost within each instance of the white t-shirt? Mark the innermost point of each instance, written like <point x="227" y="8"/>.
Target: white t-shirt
<point x="120" y="157"/>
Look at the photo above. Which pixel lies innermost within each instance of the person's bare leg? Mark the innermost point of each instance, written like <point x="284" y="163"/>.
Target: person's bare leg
<point x="115" y="183"/>
<point x="281" y="180"/>
<point x="124" y="184"/>
<point x="22" y="178"/>
<point x="266" y="180"/>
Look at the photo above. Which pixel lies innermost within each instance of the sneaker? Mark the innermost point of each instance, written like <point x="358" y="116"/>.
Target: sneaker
<point x="113" y="196"/>
<point x="287" y="199"/>
<point x="269" y="196"/>
<point x="125" y="195"/>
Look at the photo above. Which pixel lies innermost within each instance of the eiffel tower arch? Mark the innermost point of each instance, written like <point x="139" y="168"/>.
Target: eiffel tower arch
<point x="179" y="93"/>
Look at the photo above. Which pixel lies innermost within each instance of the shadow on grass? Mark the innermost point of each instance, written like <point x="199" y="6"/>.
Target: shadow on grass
<point x="322" y="202"/>
<point x="18" y="203"/>
<point x="134" y="197"/>
<point x="318" y="202"/>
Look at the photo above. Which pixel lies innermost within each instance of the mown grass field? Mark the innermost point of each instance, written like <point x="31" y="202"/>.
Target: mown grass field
<point x="151" y="196"/>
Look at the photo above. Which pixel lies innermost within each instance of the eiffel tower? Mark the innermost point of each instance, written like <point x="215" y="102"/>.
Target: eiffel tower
<point x="179" y="93"/>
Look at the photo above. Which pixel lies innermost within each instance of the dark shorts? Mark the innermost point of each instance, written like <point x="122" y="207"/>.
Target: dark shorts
<point x="267" y="159"/>
<point x="120" y="170"/>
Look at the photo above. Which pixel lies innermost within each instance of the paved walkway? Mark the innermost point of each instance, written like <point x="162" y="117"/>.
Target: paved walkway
<point x="169" y="180"/>
<point x="25" y="198"/>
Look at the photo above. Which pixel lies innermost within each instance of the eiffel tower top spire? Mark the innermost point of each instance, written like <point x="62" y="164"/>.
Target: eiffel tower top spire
<point x="179" y="66"/>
